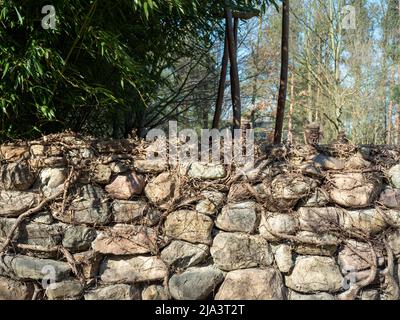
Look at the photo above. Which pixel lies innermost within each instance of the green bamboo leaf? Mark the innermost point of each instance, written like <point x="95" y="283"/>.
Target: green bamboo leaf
<point x="19" y="15"/>
<point x="7" y="65"/>
<point x="146" y="10"/>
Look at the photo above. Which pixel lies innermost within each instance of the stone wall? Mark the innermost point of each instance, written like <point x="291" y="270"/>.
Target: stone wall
<point x="92" y="219"/>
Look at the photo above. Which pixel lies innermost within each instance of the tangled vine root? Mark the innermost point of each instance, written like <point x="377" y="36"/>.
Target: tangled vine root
<point x="355" y="288"/>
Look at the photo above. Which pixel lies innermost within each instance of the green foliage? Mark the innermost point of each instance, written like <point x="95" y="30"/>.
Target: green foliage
<point x="102" y="66"/>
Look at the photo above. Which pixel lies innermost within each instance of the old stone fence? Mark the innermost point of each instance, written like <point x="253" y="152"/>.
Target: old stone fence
<point x="82" y="218"/>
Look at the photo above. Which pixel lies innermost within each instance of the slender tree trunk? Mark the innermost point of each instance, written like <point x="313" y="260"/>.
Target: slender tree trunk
<point x="318" y="96"/>
<point x="256" y="61"/>
<point x="253" y="118"/>
<point x="308" y="42"/>
<point x="390" y="110"/>
<point x="186" y="115"/>
<point x="389" y="128"/>
<point x="397" y="127"/>
<point x="221" y="87"/>
<point x="235" y="86"/>
<point x="235" y="31"/>
<point x="398" y="103"/>
<point x="253" y="103"/>
<point x="254" y="92"/>
<point x="235" y="36"/>
<point x="280" y="112"/>
<point x="291" y="110"/>
<point x="309" y="96"/>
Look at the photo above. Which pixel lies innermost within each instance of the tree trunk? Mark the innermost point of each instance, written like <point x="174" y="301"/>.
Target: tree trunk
<point x="221" y="87"/>
<point x="308" y="44"/>
<point x="390" y="110"/>
<point x="398" y="104"/>
<point x="291" y="111"/>
<point x="389" y="128"/>
<point x="235" y="32"/>
<point x="235" y="86"/>
<point x="318" y="96"/>
<point x="280" y="112"/>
